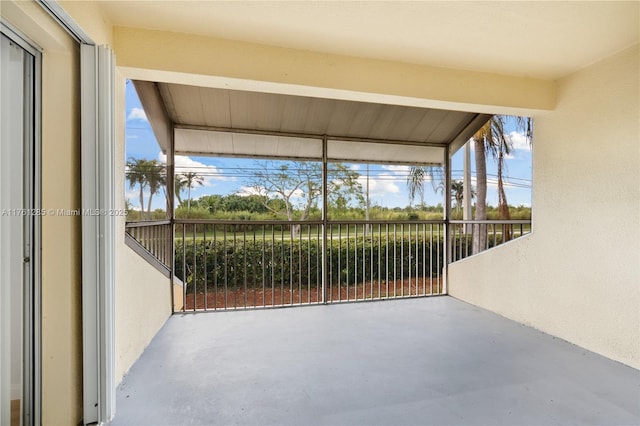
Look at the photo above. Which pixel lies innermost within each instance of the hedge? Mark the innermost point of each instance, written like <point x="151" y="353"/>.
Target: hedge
<point x="243" y="263"/>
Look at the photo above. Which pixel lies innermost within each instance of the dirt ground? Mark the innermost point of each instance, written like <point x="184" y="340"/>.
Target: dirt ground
<point x="237" y="298"/>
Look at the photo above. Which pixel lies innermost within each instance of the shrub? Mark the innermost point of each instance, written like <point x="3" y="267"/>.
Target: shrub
<point x="239" y="263"/>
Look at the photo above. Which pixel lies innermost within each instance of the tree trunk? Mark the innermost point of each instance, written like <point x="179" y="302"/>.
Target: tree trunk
<point x="149" y="206"/>
<point x="295" y="229"/>
<point x="141" y="203"/>
<point x="503" y="205"/>
<point x="480" y="230"/>
<point x="177" y="194"/>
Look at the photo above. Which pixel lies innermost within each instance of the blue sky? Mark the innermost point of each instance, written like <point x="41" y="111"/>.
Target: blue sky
<point x="387" y="184"/>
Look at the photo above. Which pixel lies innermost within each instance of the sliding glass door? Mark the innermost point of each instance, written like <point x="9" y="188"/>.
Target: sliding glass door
<point x="19" y="226"/>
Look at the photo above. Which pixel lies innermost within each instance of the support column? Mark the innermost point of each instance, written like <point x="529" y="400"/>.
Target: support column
<point x="447" y="218"/>
<point x="466" y="193"/>
<point x="171" y="151"/>
<point x="325" y="220"/>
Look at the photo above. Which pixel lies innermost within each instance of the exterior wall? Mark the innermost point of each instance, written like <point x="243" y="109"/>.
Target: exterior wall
<point x="142" y="305"/>
<point x="143" y="295"/>
<point x="577" y="276"/>
<point x="61" y="240"/>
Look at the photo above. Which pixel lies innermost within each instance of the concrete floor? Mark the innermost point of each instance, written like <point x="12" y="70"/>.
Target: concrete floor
<point x="418" y="361"/>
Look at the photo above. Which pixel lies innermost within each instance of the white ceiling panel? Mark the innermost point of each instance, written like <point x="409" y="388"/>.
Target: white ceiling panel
<point x="382" y="153"/>
<point x="227" y="144"/>
<point x="214" y="121"/>
<point x="236" y="109"/>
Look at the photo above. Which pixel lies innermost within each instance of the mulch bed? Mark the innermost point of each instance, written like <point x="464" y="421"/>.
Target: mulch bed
<point x="238" y="298"/>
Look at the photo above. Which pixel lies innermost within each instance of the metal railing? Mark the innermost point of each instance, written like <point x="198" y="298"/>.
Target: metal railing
<point x="225" y="265"/>
<point x="473" y="236"/>
<point x="383" y="260"/>
<point x="154" y="237"/>
<point x="240" y="264"/>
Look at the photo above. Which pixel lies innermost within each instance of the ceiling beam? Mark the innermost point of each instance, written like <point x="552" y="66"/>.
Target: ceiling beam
<point x="469" y="130"/>
<point x="154" y="108"/>
<point x="212" y="62"/>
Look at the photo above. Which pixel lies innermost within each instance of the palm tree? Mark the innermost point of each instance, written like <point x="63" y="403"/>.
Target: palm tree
<point x="179" y="183"/>
<point x="192" y="179"/>
<point x="457" y="193"/>
<point x="492" y="139"/>
<point x="156" y="179"/>
<point x="416" y="178"/>
<point x="135" y="173"/>
<point x="147" y="174"/>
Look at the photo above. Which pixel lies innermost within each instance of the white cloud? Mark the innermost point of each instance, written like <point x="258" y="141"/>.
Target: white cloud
<point x="401" y="172"/>
<point x="519" y="140"/>
<point x="137" y="114"/>
<point x="404" y="170"/>
<point x="184" y="164"/>
<point x="382" y="184"/>
<point x="245" y="191"/>
<point x="133" y="195"/>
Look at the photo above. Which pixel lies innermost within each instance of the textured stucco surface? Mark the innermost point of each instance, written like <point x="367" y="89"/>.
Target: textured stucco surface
<point x="577" y="276"/>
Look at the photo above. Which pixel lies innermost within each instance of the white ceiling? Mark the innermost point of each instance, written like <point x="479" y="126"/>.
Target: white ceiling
<point x="222" y="108"/>
<point x="541" y="39"/>
<point x="222" y="122"/>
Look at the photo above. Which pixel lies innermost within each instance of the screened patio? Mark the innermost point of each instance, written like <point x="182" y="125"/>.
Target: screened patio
<point x="226" y="264"/>
<point x="412" y="361"/>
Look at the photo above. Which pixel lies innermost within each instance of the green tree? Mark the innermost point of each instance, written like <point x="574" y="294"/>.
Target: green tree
<point x="492" y="139"/>
<point x="212" y="203"/>
<point x="134" y="172"/>
<point x="248" y="203"/>
<point x="418" y="175"/>
<point x="156" y="180"/>
<point x="486" y="139"/>
<point x="298" y="184"/>
<point x="149" y="174"/>
<point x="191" y="179"/>
<point x="179" y="183"/>
<point x="457" y="193"/>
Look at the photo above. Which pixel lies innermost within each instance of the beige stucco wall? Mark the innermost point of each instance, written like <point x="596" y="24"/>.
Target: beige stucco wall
<point x="61" y="242"/>
<point x="578" y="275"/>
<point x="214" y="62"/>
<point x="143" y="304"/>
<point x="142" y="294"/>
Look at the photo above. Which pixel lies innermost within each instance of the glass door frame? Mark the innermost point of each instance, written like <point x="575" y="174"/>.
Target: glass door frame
<point x="32" y="231"/>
